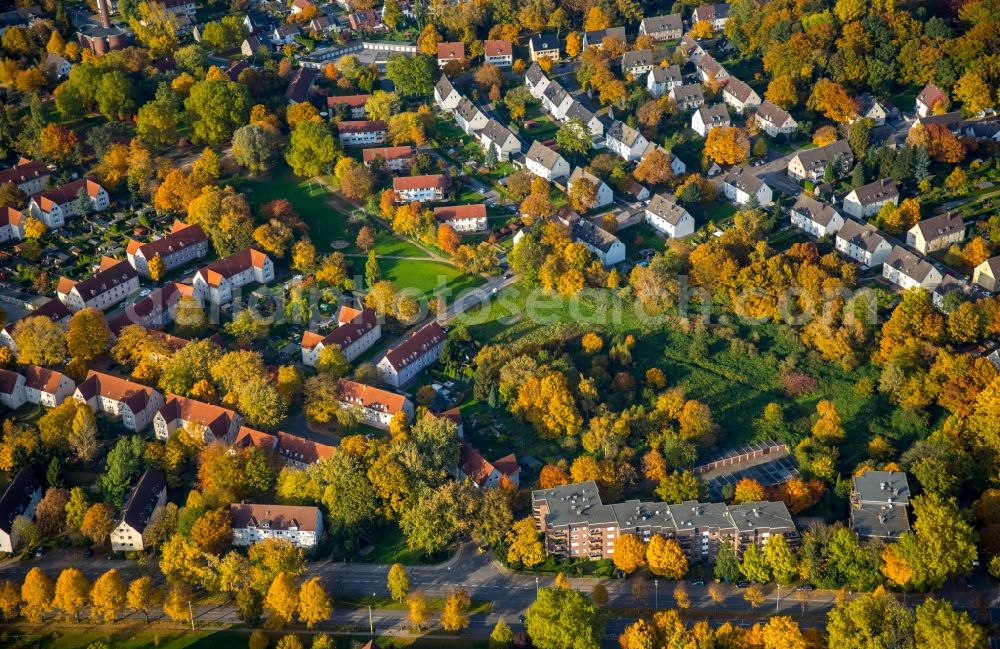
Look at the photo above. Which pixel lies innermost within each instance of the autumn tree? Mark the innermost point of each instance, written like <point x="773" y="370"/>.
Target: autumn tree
<point x="98" y="523"/>
<point x="828" y="428"/>
<point x="418" y="610"/>
<point x="314" y="603"/>
<point x="781" y="91"/>
<point x="831" y="99"/>
<point x="57" y="143"/>
<point x="501" y="637"/>
<point x="748" y="490"/>
<point x="873" y="619"/>
<point x="563" y="617"/>
<point x="37" y="593"/>
<point x="454" y="614"/>
<point x="398" y="582"/>
<point x="142" y="595"/>
<point x="523" y="544"/>
<point x="938" y="624"/>
<point x="39" y="341"/>
<point x="666" y="558"/>
<point x="727" y="145"/>
<point x="87" y="335"/>
<point x="630" y="553"/>
<point x="282" y="599"/>
<point x="782" y="632"/>
<point x="107" y="597"/>
<point x="311" y="150"/>
<point x="71" y="592"/>
<point x="654" y="168"/>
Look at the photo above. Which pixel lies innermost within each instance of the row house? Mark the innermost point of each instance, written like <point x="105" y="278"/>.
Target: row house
<point x="483" y="474"/>
<point x="987" y="274"/>
<point x="661" y="80"/>
<point x="907" y="270"/>
<point x="815" y="218"/>
<point x="879" y="504"/>
<point x="811" y="164"/>
<point x="355" y="333"/>
<point x="366" y="20"/>
<point x="952" y="121"/>
<point x="604" y="195"/>
<point x="545" y="162"/>
<point x="464" y="219"/>
<point x="54" y="310"/>
<point x="556" y="100"/>
<point x="741" y="187"/>
<point x="12" y="393"/>
<point x="179" y="7"/>
<point x="136" y="404"/>
<point x="361" y="133"/>
<point x="29" y="176"/>
<point x="300" y="525"/>
<point x="213" y="423"/>
<point x="710" y="71"/>
<point x="687" y="97"/>
<point x="499" y="53"/>
<point x="536" y="81"/>
<point x="20" y="498"/>
<point x="936" y="233"/>
<point x="929" y="99"/>
<point x="377" y="406"/>
<point x="580" y="112"/>
<point x="450" y="52"/>
<point x="544" y="46"/>
<point x="12" y="223"/>
<point x="421" y="189"/>
<point x="716" y="15"/>
<point x="112" y="283"/>
<point x="469" y="118"/>
<point x="638" y="63"/>
<point x="352" y="106"/>
<point x="45" y="387"/>
<point x="595" y="38"/>
<point x="395" y="158"/>
<point x="148" y="497"/>
<point x="775" y="120"/>
<point x="420" y="349"/>
<point x="667" y="216"/>
<point x="708" y="117"/>
<point x="740" y="96"/>
<point x="216" y="282"/>
<point x="865" y="201"/>
<point x="184" y="243"/>
<point x="445" y="95"/>
<point x="285" y="34"/>
<point x="690" y="49"/>
<point x="154" y="311"/>
<point x="299" y="452"/>
<point x="669" y="27"/>
<point x="862" y="243"/>
<point x="625" y="141"/>
<point x="501" y="139"/>
<point x="608" y="248"/>
<point x="54" y="206"/>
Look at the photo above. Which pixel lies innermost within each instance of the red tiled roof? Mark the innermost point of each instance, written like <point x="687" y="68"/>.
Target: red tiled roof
<point x="457" y="212"/>
<point x="301" y="449"/>
<point x="24" y="171"/>
<point x="387" y="152"/>
<point x="215" y="418"/>
<point x="353" y="325"/>
<point x="159" y="300"/>
<point x="366" y="396"/>
<point x="8" y="381"/>
<point x="234" y="264"/>
<point x="181" y="236"/>
<point x="63" y="194"/>
<point x="478" y="468"/>
<point x="135" y="395"/>
<point x="400" y="183"/>
<point x="451" y="50"/>
<point x="349" y="100"/>
<point x="247" y="437"/>
<point x="361" y="126"/>
<point x="111" y="274"/>
<point x="418" y="344"/>
<point x="10" y="216"/>
<point x="498" y="48"/>
<point x="275" y="517"/>
<point x="42" y="378"/>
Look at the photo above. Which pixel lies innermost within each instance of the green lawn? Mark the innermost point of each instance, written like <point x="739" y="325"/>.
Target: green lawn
<point x="427" y="276"/>
<point x="387" y="243"/>
<point x="716" y="211"/>
<point x="390" y="547"/>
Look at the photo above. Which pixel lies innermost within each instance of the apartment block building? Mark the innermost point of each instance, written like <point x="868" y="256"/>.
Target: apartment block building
<point x="46" y="387"/>
<point x="377" y="406"/>
<point x="27" y="175"/>
<point x="425" y="188"/>
<point x="577" y="524"/>
<point x="353" y="106"/>
<point x="148" y="497"/>
<point x="361" y="133"/>
<point x="465" y="219"/>
<point x="53" y="206"/>
<point x="396" y="158"/>
<point x="184" y="243"/>
<point x="217" y="281"/>
<point x="214" y="422"/>
<point x="879" y="503"/>
<point x="115" y="396"/>
<point x="114" y="281"/>
<point x="299" y="525"/>
<point x="356" y="331"/>
<point x="422" y="348"/>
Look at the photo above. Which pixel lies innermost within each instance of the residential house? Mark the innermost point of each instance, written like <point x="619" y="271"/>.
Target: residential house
<point x="543" y="45"/>
<point x="366" y="20"/>
<point x="421" y="189"/>
<point x="669" y="27"/>
<point x="301" y="84"/>
<point x="639" y="63"/>
<point x="930" y="97"/>
<point x="501" y="139"/>
<point x="668" y="217"/>
<point x="353" y="106"/>
<point x="253" y="44"/>
<point x="663" y="79"/>
<point x="950" y="284"/>
<point x="811" y="164"/>
<point x="535" y="80"/>
<point x="710" y="71"/>
<point x="183" y="244"/>
<point x="299" y="452"/>
<point x="377" y="406"/>
<point x="716" y="15"/>
<point x="606" y="247"/>
<point x="464" y="219"/>
<point x="545" y="163"/>
<point x="604" y="195"/>
<point x="59" y="66"/>
<point x="54" y="310"/>
<point x="556" y="101"/>
<point x="865" y="201"/>
<point x="742" y="188"/>
<point x="27" y="175"/>
<point x="499" y="53"/>
<point x="213" y="422"/>
<point x="285" y="34"/>
<point x="257" y="22"/>
<point x="361" y="132"/>
<point x="936" y="233"/>
<point x="983" y="130"/>
<point x="580" y="112"/>
<point x="740" y="96"/>
<point x="302" y="526"/>
<point x="449" y="52"/>
<point x="815" y="218"/>
<point x="112" y="283"/>
<point x="637" y="192"/>
<point x="687" y="97"/>
<point x="11" y="224"/>
<point x="708" y="117"/>
<point x="879" y="500"/>
<point x="907" y="270"/>
<point x="421" y="348"/>
<point x="54" y="206"/>
<point x="690" y="49"/>
<point x="180" y="7"/>
<point x="356" y="332"/>
<point x="216" y="282"/>
<point x="454" y="415"/>
<point x="147" y="498"/>
<point x="153" y="311"/>
<point x="46" y="387"/>
<point x="12" y="392"/>
<point x="862" y="243"/>
<point x="19" y="499"/>
<point x="625" y="141"/>
<point x="248" y="437"/>
<point x="952" y="121"/>
<point x="987" y="274"/>
<point x="469" y="118"/>
<point x="484" y="474"/>
<point x="876" y="109"/>
<point x="234" y="70"/>
<point x="396" y="158"/>
<point x="774" y="120"/>
<point x="115" y="396"/>
<point x="595" y="38"/>
<point x="445" y="95"/>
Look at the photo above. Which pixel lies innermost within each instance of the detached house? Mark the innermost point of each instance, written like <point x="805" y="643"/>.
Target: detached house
<point x="20" y="498"/>
<point x="484" y="474"/>
<point x="710" y="70"/>
<point x="543" y="45"/>
<point x="300" y="85"/>
<point x="596" y="37"/>
<point x="499" y="53"/>
<point x="53" y="206"/>
<point x="501" y="139"/>
<point x="469" y="118"/>
<point x="356" y="332"/>
<point x="11" y="224"/>
<point x="252" y="44"/>
<point x="449" y="52"/>
<point x="876" y="109"/>
<point x="936" y="233"/>
<point x="422" y="348"/>
<point x="668" y="217"/>
<point x="419" y="188"/>
<point x="862" y="243"/>
<point x="147" y="498"/>
<point x="352" y="105"/>
<point x="545" y="163"/>
<point x="815" y="218"/>
<point x="59" y="66"/>
<point x="299" y="525"/>
<point x="285" y="34"/>
<point x="676" y="164"/>
<point x="687" y="97"/>
<point x="361" y="133"/>
<point x="639" y="62"/>
<point x="445" y="95"/>
<point x="708" y="117"/>
<point x="183" y="244"/>
<point x="740" y="96"/>
<point x="12" y="392"/>
<point x="556" y="101"/>
<point x="625" y="141"/>
<point x="464" y="219"/>
<point x="604" y="194"/>
<point x="366" y="20"/>
<point x="716" y="15"/>
<point x="594" y="125"/>
<point x="213" y="422"/>
<point x="928" y="98"/>
<point x="742" y="188"/>
<point x="868" y="199"/>
<point x="774" y="120"/>
<point x="663" y="28"/>
<point x="811" y="164"/>
<point x="663" y="79"/>
<point x="27" y="175"/>
<point x="396" y="158"/>
<point x="216" y="282"/>
<point x="987" y="274"/>
<point x="378" y="407"/>
<point x="606" y="247"/>
<point x="907" y="270"/>
<point x="115" y="396"/>
<point x="46" y="387"/>
<point x="111" y="284"/>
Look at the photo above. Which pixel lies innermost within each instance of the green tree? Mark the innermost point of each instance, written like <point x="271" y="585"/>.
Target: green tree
<point x="941" y="545"/>
<point x="573" y="137"/>
<point x="216" y="108"/>
<point x="871" y="620"/>
<point x="501" y="637"/>
<point x="156" y="124"/>
<point x="115" y="95"/>
<point x="311" y="149"/>
<point x="564" y="618"/>
<point x="411" y="75"/>
<point x="121" y="467"/>
<point x="398" y="582"/>
<point x="727" y="564"/>
<point x="252" y="145"/>
<point x="780" y="559"/>
<point x="939" y="626"/>
<point x="754" y="566"/>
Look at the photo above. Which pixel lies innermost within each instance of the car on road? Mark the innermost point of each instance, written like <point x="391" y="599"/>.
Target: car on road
<point x="742" y="584"/>
<point x="758" y="163"/>
<point x="508" y="275"/>
<point x="39" y="552"/>
<point x="146" y="291"/>
<point x="698" y="582"/>
<point x="806" y="587"/>
<point x="970" y="583"/>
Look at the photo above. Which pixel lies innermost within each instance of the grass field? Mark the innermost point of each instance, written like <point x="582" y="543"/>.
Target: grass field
<point x="387" y="243"/>
<point x="427" y="276"/>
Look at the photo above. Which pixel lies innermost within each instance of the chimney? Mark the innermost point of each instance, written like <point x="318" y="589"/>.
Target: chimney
<point x="102" y="8"/>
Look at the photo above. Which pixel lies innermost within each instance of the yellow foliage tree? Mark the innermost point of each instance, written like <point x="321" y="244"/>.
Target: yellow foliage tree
<point x="781" y="91"/>
<point x="727" y="145"/>
<point x="782" y="632"/>
<point x="37" y="593"/>
<point x="748" y="490"/>
<point x="666" y="558"/>
<point x="71" y="592"/>
<point x="630" y="553"/>
<point x="107" y="597"/>
<point x="701" y="30"/>
<point x="596" y="19"/>
<point x="314" y="603"/>
<point x="523" y="544"/>
<point x="282" y="600"/>
<point x="829" y="428"/>
<point x="454" y="616"/>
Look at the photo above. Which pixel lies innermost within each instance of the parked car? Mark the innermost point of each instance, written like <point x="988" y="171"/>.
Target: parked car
<point x="698" y="582"/>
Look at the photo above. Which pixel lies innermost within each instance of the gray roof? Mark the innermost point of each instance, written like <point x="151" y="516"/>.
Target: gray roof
<point x="687" y="92"/>
<point x="943" y="225"/>
<point x="950" y="120"/>
<point x="815" y="211"/>
<point x="710" y="12"/>
<point x="534" y="75"/>
<point x="496" y="132"/>
<point x="444" y="86"/>
<point x="592" y="235"/>
<point x="467" y="109"/>
<point x="952" y="284"/>
<point x="581" y="172"/>
<point x="595" y="37"/>
<point x="882" y="521"/>
<point x="742" y="180"/>
<point x="634" y="58"/>
<point x="578" y="111"/>
<point x="879" y="500"/>
<point x="877" y="192"/>
<point x="993" y="263"/>
<point x="740" y="90"/>
<point x="623" y="133"/>
<point x="710" y="66"/>
<point x="861" y="235"/>
<point x="821" y="156"/>
<point x="16" y="498"/>
<point x="716" y="115"/>
<point x="665" y="74"/>
<point x="143" y="500"/>
<point x="555" y="93"/>
<point x="772" y="113"/>
<point x="911" y="265"/>
<point x="542" y="154"/>
<point x="544" y="42"/>
<point x="667" y="208"/>
<point x="666" y="23"/>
